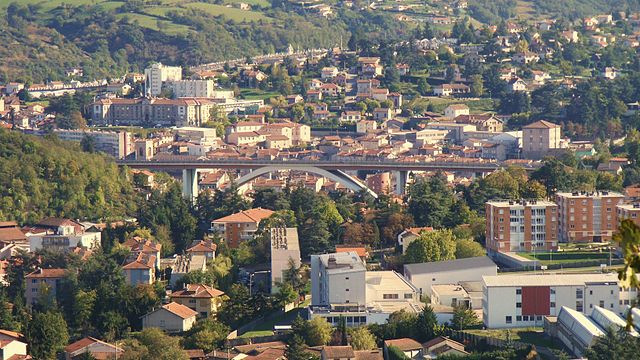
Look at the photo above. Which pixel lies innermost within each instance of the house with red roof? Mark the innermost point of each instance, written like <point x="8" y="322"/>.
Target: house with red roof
<point x="172" y="318"/>
<point x="98" y="349"/>
<point x="140" y="268"/>
<point x="42" y="280"/>
<point x="206" y="248"/>
<point x="240" y="226"/>
<point x="201" y="298"/>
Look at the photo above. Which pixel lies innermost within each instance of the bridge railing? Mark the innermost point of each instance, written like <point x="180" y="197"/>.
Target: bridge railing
<point x="491" y="164"/>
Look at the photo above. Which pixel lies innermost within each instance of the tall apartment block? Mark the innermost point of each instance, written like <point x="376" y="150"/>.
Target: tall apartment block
<point x="629" y="211"/>
<point x="587" y="216"/>
<point x="521" y="225"/>
<point x="157" y="74"/>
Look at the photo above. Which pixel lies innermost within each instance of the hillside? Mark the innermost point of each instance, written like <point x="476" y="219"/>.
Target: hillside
<point x="109" y="38"/>
<point x="492" y="11"/>
<point x="45" y="177"/>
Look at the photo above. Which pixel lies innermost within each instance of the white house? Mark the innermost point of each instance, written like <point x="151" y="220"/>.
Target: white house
<point x="172" y="317"/>
<point x="424" y="275"/>
<point x="454" y="110"/>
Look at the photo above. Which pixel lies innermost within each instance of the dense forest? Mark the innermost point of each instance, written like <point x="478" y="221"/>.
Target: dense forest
<point x="46" y="177"/>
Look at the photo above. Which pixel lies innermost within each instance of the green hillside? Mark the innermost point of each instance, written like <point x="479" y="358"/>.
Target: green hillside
<point x="110" y="38"/>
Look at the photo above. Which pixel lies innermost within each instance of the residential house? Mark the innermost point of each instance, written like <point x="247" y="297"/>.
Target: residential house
<point x="206" y="248"/>
<point x="485" y="122"/>
<point x="396" y="98"/>
<point x="239" y="226"/>
<point x="98" y="349"/>
<point x="140" y="268"/>
<point x="328" y="73"/>
<point x="451" y="89"/>
<point x="525" y="57"/>
<point x="403" y="69"/>
<point x="62" y="235"/>
<point x="443" y="345"/>
<point x="201" y="298"/>
<point x="407" y="236"/>
<point x="351" y="116"/>
<point x="382" y="114"/>
<point x="172" y="318"/>
<point x="13" y="350"/>
<point x="41" y="282"/>
<point x="337" y="353"/>
<point x="517" y="84"/>
<point x="10" y="234"/>
<point x="314" y="95"/>
<point x="138" y="245"/>
<point x="409" y="347"/>
<point x="214" y="180"/>
<point x="331" y="90"/>
<point x="539" y="138"/>
<point x="454" y="110"/>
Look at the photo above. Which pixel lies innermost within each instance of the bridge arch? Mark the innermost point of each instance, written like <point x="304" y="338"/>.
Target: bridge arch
<point x="338" y="176"/>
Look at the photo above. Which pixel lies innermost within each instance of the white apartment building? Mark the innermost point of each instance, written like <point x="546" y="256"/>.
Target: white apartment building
<point x="523" y="300"/>
<point x="193" y="88"/>
<point x="157" y="74"/>
<point x="117" y="144"/>
<point x="285" y="249"/>
<point x="341" y="286"/>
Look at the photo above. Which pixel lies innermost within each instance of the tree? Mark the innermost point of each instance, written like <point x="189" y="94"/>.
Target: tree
<point x="477" y="85"/>
<point x="437" y="245"/>
<point x="616" y="344"/>
<point x="207" y="334"/>
<point x="361" y="338"/>
<point x="430" y="201"/>
<point x="423" y="87"/>
<point x="464" y="318"/>
<point x="286" y="294"/>
<point x="395" y="353"/>
<point x="318" y="332"/>
<point x="47" y="334"/>
<point x="466" y="248"/>
<point x="426" y="324"/>
<point x="88" y="144"/>
<point x="296" y="349"/>
<point x="153" y="344"/>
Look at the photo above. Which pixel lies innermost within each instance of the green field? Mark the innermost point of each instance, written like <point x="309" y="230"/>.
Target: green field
<point x="155" y="23"/>
<point x="478" y="106"/>
<point x="161" y="10"/>
<point x="231" y="13"/>
<point x="530" y="335"/>
<point x="257" y="94"/>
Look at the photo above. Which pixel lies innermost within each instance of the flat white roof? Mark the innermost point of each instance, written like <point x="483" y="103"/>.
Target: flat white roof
<point x="595" y="194"/>
<point x="548" y="280"/>
<point x="387" y="280"/>
<point x="450" y="265"/>
<point x="633" y="207"/>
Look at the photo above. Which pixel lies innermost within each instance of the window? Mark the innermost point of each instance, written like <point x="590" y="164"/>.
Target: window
<point x="590" y="292"/>
<point x="539" y="317"/>
<point x="389" y="296"/>
<point x="518" y="291"/>
<point x="346" y="289"/>
<point x="507" y="319"/>
<point x="518" y="318"/>
<point x="408" y="296"/>
<point x="552" y="291"/>
<point x="525" y="318"/>
<point x="519" y="305"/>
<point x="601" y="304"/>
<point x="552" y="304"/>
<point x="578" y="293"/>
<point x="579" y="306"/>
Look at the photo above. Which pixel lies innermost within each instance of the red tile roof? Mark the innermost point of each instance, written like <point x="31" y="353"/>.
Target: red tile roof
<point x="246" y="216"/>
<point x="404" y="344"/>
<point x="179" y="310"/>
<point x="541" y="124"/>
<point x="47" y="273"/>
<point x="197" y="291"/>
<point x="203" y="246"/>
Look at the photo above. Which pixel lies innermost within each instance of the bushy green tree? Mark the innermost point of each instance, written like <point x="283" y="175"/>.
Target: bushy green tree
<point x="361" y="338"/>
<point x="47" y="334"/>
<point x="207" y="334"/>
<point x="437" y="245"/>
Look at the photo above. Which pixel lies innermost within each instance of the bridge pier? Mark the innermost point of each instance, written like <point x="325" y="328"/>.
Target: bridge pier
<point x="190" y="184"/>
<point x="401" y="182"/>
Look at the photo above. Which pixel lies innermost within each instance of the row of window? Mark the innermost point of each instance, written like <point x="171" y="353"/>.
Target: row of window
<point x="509" y="319"/>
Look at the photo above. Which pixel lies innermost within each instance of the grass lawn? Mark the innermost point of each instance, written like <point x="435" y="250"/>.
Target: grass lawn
<point x="229" y="12"/>
<point x="478" y="106"/>
<point x="261" y="3"/>
<point x="152" y="22"/>
<point x="530" y="335"/>
<point x="266" y="328"/>
<point x="160" y="10"/>
<point x="568" y="257"/>
<point x="257" y="94"/>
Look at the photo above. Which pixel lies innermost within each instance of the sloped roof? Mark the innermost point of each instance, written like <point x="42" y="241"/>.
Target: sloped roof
<point x="541" y="124"/>
<point x="46" y="273"/>
<point x="179" y="310"/>
<point x="197" y="291"/>
<point x="203" y="246"/>
<point x="403" y="344"/>
<point x="338" y="352"/>
<point x="246" y="216"/>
